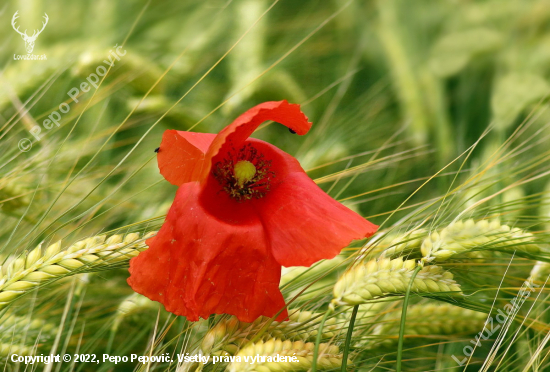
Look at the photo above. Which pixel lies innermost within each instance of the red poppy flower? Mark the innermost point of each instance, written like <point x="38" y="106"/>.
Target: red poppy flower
<point x="243" y="209"/>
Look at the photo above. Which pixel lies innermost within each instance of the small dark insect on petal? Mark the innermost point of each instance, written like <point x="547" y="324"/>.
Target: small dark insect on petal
<point x="291" y="131"/>
<point x="157" y="149"/>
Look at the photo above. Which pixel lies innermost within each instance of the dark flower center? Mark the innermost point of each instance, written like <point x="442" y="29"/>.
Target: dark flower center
<point x="244" y="174"/>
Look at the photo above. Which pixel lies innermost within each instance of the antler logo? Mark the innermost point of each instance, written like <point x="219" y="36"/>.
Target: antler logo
<point x="29" y="40"/>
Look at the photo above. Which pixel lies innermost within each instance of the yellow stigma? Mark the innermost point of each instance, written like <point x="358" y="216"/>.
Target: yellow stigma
<point x="244" y="171"/>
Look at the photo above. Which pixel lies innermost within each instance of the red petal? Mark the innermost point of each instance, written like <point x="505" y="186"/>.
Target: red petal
<point x="181" y="155"/>
<point x="306" y="225"/>
<point x="237" y="132"/>
<point x="198" y="265"/>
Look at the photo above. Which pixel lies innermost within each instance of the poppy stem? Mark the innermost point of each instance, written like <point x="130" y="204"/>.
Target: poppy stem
<point x="318" y="340"/>
<point x="404" y="319"/>
<point x="348" y="338"/>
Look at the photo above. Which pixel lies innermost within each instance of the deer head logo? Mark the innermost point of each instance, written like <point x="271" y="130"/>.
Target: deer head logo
<point x="29" y="40"/>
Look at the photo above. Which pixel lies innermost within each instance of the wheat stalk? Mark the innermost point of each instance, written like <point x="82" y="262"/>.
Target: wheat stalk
<point x="329" y="356"/>
<point x="229" y="334"/>
<point x="461" y="237"/>
<point x="379" y="278"/>
<point x="39" y="267"/>
<point x="426" y="320"/>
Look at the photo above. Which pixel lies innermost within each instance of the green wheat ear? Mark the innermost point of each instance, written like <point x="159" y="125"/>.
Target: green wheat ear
<point x="329" y="356"/>
<point x="39" y="267"/>
<point x="406" y="245"/>
<point x="230" y="334"/>
<point x="133" y="304"/>
<point x="380" y="278"/>
<point x="425" y="320"/>
<point x="461" y="237"/>
<point x="12" y="196"/>
<point x="540" y="272"/>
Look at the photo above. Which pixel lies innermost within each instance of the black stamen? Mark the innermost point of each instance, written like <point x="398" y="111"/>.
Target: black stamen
<point x="291" y="131"/>
<point x="157" y="149"/>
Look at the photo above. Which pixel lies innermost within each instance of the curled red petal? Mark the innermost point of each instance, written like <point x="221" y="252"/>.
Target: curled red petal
<point x="198" y="265"/>
<point x="306" y="225"/>
<point x="234" y="135"/>
<point x="181" y="155"/>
